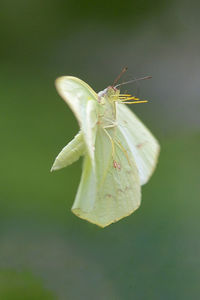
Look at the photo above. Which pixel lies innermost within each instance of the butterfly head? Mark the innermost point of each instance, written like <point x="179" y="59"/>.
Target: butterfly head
<point x="112" y="94"/>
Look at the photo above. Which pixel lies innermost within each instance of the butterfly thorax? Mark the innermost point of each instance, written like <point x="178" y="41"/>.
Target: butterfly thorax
<point x="107" y="106"/>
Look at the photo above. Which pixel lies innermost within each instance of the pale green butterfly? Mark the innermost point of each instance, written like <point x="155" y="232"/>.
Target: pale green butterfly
<point x="120" y="153"/>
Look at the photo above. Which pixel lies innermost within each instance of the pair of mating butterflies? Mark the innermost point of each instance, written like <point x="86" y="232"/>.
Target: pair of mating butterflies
<point x="119" y="152"/>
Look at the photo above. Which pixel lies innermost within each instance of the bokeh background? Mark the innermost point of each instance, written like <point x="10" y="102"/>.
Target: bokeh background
<point x="45" y="251"/>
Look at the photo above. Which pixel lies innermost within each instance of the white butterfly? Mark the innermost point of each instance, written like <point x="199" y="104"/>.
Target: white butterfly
<point x="120" y="153"/>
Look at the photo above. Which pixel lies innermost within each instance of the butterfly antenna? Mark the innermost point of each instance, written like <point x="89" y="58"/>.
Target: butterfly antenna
<point x="134" y="80"/>
<point x="119" y="76"/>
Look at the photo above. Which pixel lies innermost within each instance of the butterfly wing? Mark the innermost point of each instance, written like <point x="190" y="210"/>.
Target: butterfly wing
<point x="70" y="153"/>
<point x="143" y="145"/>
<point x="82" y="100"/>
<point x="113" y="191"/>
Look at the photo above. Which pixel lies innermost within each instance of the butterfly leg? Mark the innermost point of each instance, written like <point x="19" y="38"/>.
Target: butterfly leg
<point x="123" y="149"/>
<point x="111" y="140"/>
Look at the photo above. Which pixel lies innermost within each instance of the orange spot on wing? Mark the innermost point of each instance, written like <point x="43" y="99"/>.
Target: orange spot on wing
<point x="140" y="145"/>
<point x="116" y="165"/>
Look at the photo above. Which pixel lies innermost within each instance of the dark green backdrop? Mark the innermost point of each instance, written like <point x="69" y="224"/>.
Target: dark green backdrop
<point x="45" y="251"/>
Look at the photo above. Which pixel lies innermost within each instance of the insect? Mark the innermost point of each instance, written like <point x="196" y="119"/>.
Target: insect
<point x="119" y="152"/>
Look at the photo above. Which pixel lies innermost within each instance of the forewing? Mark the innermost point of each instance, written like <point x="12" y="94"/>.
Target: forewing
<point x="83" y="102"/>
<point x="70" y="153"/>
<point x="143" y="145"/>
<point x="114" y="191"/>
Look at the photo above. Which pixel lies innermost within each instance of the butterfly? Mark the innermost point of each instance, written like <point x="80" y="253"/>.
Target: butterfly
<point x="119" y="152"/>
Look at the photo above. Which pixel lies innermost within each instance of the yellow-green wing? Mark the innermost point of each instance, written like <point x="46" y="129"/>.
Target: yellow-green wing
<point x="113" y="191"/>
<point x="142" y="144"/>
<point x="70" y="153"/>
<point x="83" y="102"/>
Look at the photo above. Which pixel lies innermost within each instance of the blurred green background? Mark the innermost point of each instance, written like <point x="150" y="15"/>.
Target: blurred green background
<point x="45" y="251"/>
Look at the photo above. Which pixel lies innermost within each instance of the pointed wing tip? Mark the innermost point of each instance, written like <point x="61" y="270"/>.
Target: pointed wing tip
<point x="64" y="77"/>
<point x="55" y="167"/>
<point x="59" y="80"/>
<point x="52" y="169"/>
<point x="77" y="212"/>
<point x="104" y="224"/>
